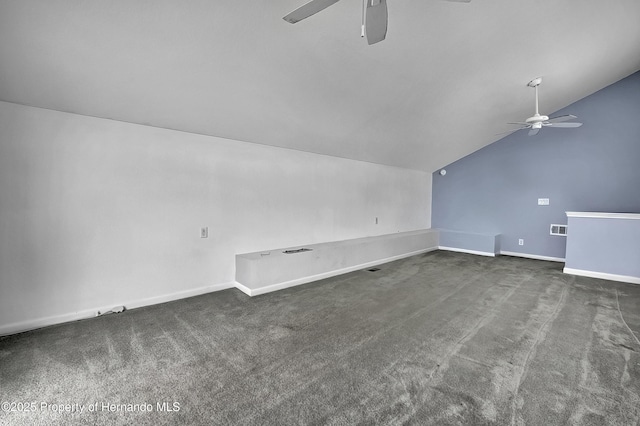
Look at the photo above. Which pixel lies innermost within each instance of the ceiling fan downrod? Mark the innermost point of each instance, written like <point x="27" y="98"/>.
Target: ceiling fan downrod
<point x="364" y="10"/>
<point x="535" y="83"/>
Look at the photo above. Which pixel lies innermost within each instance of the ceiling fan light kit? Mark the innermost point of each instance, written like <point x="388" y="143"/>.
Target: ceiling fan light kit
<point x="375" y="16"/>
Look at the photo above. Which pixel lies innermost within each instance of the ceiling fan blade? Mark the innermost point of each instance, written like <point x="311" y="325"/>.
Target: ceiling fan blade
<point x="565" y="125"/>
<point x="376" y="21"/>
<point x="533" y="132"/>
<point x="561" y="118"/>
<point x="308" y="9"/>
<point x="521" y="123"/>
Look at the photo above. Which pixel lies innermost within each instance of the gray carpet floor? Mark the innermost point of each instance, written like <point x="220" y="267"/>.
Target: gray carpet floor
<point x="441" y="338"/>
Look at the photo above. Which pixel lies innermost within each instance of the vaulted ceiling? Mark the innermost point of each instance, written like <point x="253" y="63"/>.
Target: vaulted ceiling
<point x="446" y="80"/>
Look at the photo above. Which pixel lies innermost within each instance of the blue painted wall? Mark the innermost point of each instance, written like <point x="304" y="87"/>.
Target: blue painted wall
<point x="487" y="244"/>
<point x="595" y="167"/>
<point x="605" y="246"/>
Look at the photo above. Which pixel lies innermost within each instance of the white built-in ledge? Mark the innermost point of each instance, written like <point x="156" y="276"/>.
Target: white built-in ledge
<point x="269" y="270"/>
<point x="600" y="215"/>
<point x="604" y="245"/>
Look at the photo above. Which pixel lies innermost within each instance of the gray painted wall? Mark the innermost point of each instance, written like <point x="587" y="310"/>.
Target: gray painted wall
<point x="591" y="168"/>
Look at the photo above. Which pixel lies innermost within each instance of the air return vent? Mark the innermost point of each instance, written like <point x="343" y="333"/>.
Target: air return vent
<point x="294" y="251"/>
<point x="558" y="230"/>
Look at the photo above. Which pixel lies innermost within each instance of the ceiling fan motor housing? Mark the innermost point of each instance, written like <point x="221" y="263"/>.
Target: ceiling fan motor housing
<point x="537" y="119"/>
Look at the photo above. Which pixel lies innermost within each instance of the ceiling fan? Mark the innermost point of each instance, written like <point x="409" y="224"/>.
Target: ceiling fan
<point x="374" y="16"/>
<point x="537" y="121"/>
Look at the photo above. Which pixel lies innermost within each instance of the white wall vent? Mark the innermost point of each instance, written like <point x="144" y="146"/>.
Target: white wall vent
<point x="558" y="230"/>
<point x="294" y="251"/>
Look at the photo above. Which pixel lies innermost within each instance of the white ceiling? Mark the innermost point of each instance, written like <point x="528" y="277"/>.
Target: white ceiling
<point x="442" y="85"/>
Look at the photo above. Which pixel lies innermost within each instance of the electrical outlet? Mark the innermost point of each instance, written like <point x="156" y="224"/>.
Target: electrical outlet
<point x="520" y="242"/>
<point x="204" y="232"/>
<point x="543" y="201"/>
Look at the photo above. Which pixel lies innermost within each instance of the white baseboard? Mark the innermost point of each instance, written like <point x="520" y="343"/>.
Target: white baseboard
<point x="243" y="288"/>
<point x="532" y="256"/>
<point x="460" y="250"/>
<point x="602" y="275"/>
<point x="329" y="274"/>
<point x="33" y="324"/>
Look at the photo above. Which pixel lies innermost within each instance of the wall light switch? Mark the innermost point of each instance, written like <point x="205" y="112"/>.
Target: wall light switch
<point x="204" y="232"/>
<point x="543" y="201"/>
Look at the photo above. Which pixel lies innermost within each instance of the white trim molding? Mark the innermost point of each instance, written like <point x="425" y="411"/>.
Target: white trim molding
<point x="532" y="256"/>
<point x="304" y="280"/>
<point x="32" y="324"/>
<point x="243" y="288"/>
<point x="461" y="250"/>
<point x="599" y="215"/>
<point x="602" y="275"/>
